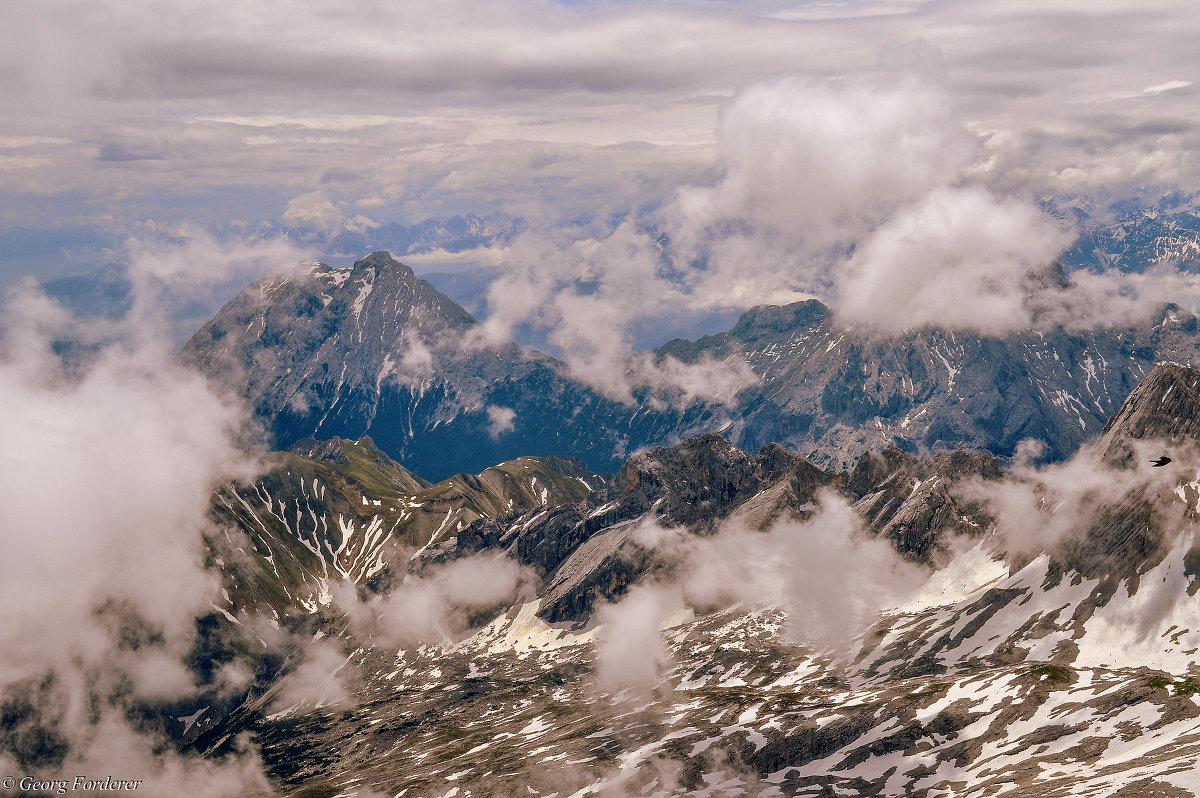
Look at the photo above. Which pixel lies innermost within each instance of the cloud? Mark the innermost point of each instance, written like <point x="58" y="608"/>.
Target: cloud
<point x="630" y="651"/>
<point x="417" y="362"/>
<point x="116" y="153"/>
<point x="192" y="265"/>
<point x="110" y="466"/>
<point x="866" y="191"/>
<point x="500" y="420"/>
<point x="324" y="677"/>
<point x="509" y="106"/>
<point x="671" y="380"/>
<point x="959" y="258"/>
<point x="828" y="573"/>
<point x="112" y="453"/>
<point x="436" y="606"/>
<point x="181" y="276"/>
<point x="588" y="289"/>
<point x="315" y="211"/>
<point x="112" y="470"/>
<point x="1170" y="85"/>
<point x="114" y="749"/>
<point x="1115" y="299"/>
<point x="1037" y="508"/>
<point x="870" y="193"/>
<point x="823" y="161"/>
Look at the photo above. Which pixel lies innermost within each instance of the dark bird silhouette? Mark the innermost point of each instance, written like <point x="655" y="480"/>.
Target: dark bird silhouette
<point x="1160" y="462"/>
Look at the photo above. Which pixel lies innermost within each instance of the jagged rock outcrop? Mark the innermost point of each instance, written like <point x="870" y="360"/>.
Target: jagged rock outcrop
<point x="917" y="503"/>
<point x="1128" y="533"/>
<point x="831" y="392"/>
<point x="591" y="551"/>
<point x="1068" y="672"/>
<point x="1165" y="406"/>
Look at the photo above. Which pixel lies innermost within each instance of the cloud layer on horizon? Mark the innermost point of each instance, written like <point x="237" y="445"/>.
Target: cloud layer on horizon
<point x="418" y="109"/>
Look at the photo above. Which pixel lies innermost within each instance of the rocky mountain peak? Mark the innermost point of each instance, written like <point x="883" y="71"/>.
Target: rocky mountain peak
<point x="1165" y="405"/>
<point x="777" y="462"/>
<point x="382" y="260"/>
<point x="372" y="349"/>
<point x="330" y="451"/>
<point x="916" y="502"/>
<point x="697" y="479"/>
<point x="695" y="459"/>
<point x="363" y="452"/>
<point x="766" y="320"/>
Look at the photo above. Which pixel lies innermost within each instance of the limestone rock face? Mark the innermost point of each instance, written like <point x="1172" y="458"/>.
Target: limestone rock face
<point x="374" y="351"/>
<point x="1165" y="406"/>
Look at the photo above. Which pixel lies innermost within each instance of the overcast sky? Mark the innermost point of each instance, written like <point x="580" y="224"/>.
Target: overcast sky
<point x="223" y="112"/>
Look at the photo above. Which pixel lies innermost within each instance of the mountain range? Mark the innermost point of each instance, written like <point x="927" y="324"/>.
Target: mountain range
<point x="1052" y="668"/>
<point x="1135" y="234"/>
<point x="371" y="350"/>
<point x="463" y="570"/>
<point x="1064" y="671"/>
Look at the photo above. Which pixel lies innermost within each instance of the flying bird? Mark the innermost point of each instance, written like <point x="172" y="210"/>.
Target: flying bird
<point x="1160" y="462"/>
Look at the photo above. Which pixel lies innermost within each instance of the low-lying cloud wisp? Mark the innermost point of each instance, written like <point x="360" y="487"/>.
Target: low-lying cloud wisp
<point x="828" y="573"/>
<point x="112" y="451"/>
<point x="436" y="606"/>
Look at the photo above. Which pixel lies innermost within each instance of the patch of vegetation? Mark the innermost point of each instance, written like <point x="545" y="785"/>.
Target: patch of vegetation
<point x="375" y="471"/>
<point x="1055" y="674"/>
<point x="449" y="733"/>
<point x="320" y="789"/>
<point x="1185" y="687"/>
<point x="741" y="693"/>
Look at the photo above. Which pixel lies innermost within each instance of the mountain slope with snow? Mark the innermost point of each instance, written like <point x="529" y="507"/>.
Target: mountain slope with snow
<point x="832" y="392"/>
<point x="338" y="511"/>
<point x="1064" y="671"/>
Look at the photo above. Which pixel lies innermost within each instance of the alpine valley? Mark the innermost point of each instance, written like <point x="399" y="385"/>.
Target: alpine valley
<point x="461" y="570"/>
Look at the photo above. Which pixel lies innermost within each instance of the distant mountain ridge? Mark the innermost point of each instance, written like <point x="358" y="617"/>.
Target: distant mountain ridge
<point x="372" y="350"/>
<point x="1163" y="232"/>
<point x="338" y="511"/>
<point x="832" y="392"/>
<point x="455" y="234"/>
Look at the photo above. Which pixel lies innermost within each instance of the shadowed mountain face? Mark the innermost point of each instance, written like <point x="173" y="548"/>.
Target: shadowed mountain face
<point x="1165" y="406"/>
<point x="374" y="351"/>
